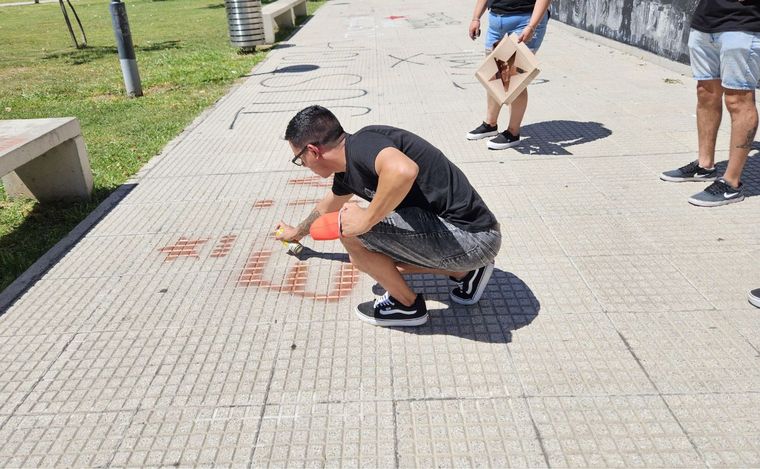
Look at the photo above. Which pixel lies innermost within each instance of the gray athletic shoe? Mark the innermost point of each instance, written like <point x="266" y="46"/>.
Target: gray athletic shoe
<point x="690" y="172"/>
<point x="718" y="193"/>
<point x="754" y="297"/>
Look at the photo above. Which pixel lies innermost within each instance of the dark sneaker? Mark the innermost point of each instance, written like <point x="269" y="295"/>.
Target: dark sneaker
<point x="754" y="297"/>
<point x="690" y="172"/>
<point x="388" y="311"/>
<point x="472" y="285"/>
<point x="503" y="141"/>
<point x="718" y="193"/>
<point x="482" y="131"/>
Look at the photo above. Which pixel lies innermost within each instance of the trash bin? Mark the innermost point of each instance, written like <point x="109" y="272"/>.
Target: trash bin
<point x="244" y="22"/>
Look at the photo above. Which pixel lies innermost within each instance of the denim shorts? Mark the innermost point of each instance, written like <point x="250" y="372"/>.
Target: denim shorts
<point x="417" y="237"/>
<point x="733" y="57"/>
<point x="504" y="25"/>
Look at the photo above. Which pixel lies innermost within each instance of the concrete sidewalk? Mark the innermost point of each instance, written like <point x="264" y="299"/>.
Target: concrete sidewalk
<point x="615" y="331"/>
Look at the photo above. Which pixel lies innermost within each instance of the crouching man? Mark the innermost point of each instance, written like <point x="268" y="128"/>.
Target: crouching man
<point x="423" y="214"/>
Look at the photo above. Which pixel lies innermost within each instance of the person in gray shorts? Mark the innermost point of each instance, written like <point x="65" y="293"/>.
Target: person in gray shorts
<point x="423" y="215"/>
<point x="724" y="48"/>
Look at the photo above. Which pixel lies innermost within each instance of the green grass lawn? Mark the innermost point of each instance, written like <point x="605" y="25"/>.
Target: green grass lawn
<point x="185" y="63"/>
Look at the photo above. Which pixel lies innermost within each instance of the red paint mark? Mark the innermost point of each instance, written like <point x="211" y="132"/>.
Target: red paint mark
<point x="295" y="281"/>
<point x="263" y="203"/>
<point x="345" y="281"/>
<point x="303" y="202"/>
<point x="184" y="248"/>
<point x="393" y="17"/>
<point x="313" y="181"/>
<point x="10" y="142"/>
<point x="224" y="246"/>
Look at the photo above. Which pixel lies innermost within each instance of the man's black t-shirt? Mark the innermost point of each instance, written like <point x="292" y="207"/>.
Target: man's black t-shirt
<point x="440" y="187"/>
<point x="718" y="16"/>
<point x="505" y="7"/>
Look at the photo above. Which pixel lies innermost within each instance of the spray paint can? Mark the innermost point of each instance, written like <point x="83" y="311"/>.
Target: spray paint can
<point x="294" y="247"/>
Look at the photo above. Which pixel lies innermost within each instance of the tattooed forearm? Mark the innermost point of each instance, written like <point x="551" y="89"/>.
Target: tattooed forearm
<point x="747" y="144"/>
<point x="303" y="227"/>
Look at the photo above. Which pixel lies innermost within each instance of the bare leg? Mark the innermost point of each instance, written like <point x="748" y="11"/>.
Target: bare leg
<point x="492" y="111"/>
<point x="741" y="106"/>
<point x="381" y="268"/>
<point x="517" y="112"/>
<point x="709" y="113"/>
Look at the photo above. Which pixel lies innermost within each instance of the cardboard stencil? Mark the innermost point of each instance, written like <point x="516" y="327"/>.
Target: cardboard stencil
<point x="508" y="70"/>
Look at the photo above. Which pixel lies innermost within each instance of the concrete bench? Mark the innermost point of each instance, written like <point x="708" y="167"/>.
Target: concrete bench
<point x="280" y="14"/>
<point x="45" y="159"/>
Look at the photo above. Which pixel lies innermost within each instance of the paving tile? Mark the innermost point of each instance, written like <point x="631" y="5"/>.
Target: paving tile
<point x="691" y="352"/>
<point x="24" y="360"/>
<point x="726" y="289"/>
<point x="614" y="331"/>
<point x="611" y="431"/>
<point x="433" y="361"/>
<point x="724" y="427"/>
<point x="614" y="170"/>
<point x="112" y="371"/>
<point x="601" y="234"/>
<point x="732" y="232"/>
<point x="190" y="436"/>
<point x="467" y="433"/>
<point x="545" y="284"/>
<point x="331" y="361"/>
<point x="71" y="439"/>
<point x="575" y="355"/>
<point x="329" y="434"/>
<point x="54" y="306"/>
<point x="528" y="237"/>
<point x="642" y="283"/>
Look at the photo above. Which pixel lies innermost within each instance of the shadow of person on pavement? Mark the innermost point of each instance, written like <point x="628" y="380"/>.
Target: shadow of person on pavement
<point x="507" y="305"/>
<point x="308" y="253"/>
<point x="552" y="137"/>
<point x="750" y="174"/>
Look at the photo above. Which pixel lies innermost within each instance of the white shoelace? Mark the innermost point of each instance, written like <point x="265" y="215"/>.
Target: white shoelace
<point x="384" y="300"/>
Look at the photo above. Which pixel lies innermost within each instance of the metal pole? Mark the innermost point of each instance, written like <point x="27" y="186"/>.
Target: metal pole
<point x="126" y="49"/>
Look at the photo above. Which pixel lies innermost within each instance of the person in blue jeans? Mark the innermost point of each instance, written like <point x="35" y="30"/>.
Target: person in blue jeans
<point x="527" y="19"/>
<point x="724" y="48"/>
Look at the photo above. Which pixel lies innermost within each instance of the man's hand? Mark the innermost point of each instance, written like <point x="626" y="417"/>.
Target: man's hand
<point x="474" y="30"/>
<point x="527" y="34"/>
<point x="353" y="221"/>
<point x="285" y="232"/>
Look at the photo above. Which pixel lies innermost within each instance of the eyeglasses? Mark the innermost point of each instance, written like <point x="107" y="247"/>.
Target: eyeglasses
<point x="298" y="159"/>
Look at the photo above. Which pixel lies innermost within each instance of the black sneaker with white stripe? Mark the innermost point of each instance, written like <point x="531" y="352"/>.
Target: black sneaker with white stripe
<point x="718" y="193"/>
<point x="388" y="311"/>
<point x="503" y="141"/>
<point x="471" y="286"/>
<point x="690" y="172"/>
<point x="482" y="131"/>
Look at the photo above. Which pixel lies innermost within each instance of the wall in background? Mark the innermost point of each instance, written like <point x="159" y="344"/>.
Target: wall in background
<point x="659" y="26"/>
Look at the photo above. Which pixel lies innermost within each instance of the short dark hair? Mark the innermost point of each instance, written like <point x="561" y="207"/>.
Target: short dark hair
<point x="314" y="124"/>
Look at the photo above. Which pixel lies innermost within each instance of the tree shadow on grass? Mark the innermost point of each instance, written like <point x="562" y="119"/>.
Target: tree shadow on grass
<point x="92" y="53"/>
<point x="47" y="224"/>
